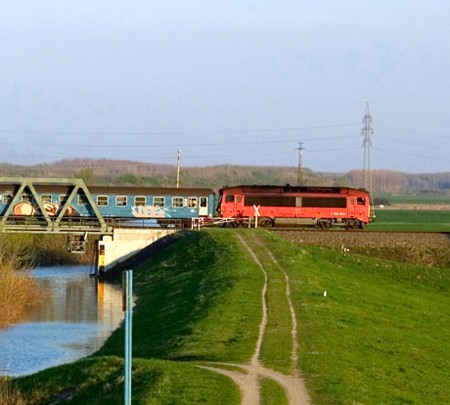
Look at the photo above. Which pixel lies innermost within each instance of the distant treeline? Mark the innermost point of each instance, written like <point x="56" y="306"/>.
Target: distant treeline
<point x="124" y="172"/>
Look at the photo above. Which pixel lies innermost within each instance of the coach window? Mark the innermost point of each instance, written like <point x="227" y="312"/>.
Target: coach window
<point x="63" y="198"/>
<point x="121" y="201"/>
<point x="102" y="200"/>
<point x="139" y="201"/>
<point x="177" y="202"/>
<point x="46" y="199"/>
<point x="192" y="202"/>
<point x="361" y="201"/>
<point x="6" y="198"/>
<point x="158" y="201"/>
<point x="82" y="200"/>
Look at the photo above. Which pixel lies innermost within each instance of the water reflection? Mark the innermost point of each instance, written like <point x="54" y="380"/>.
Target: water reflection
<point x="76" y="317"/>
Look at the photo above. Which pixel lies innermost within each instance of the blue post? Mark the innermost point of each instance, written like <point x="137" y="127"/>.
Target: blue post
<point x="127" y="306"/>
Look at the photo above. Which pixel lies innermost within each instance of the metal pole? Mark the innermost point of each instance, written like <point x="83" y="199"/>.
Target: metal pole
<point x="300" y="164"/>
<point x="178" y="168"/>
<point x="127" y="306"/>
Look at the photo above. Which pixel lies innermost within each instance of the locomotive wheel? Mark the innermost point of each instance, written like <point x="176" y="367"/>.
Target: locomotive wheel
<point x="353" y="225"/>
<point x="325" y="225"/>
<point x="266" y="223"/>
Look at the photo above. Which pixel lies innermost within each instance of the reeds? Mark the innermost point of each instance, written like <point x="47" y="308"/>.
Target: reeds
<point x="9" y="394"/>
<point x="18" y="292"/>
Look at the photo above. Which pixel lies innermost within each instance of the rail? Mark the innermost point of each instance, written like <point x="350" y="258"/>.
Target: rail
<point x="198" y="223"/>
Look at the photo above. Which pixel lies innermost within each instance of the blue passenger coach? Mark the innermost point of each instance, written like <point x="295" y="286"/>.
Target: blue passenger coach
<point x="165" y="205"/>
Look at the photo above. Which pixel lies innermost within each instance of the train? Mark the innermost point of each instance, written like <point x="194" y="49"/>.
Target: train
<point x="294" y="206"/>
<point x="243" y="205"/>
<point x="165" y="206"/>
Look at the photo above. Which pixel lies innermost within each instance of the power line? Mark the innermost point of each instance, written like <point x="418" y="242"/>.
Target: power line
<point x="416" y="155"/>
<point x="203" y="132"/>
<point x="200" y="144"/>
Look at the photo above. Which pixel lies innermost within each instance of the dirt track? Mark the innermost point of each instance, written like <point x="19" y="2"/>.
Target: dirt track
<point x="248" y="382"/>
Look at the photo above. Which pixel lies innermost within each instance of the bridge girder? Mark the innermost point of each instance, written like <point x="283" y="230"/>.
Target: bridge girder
<point x="46" y="224"/>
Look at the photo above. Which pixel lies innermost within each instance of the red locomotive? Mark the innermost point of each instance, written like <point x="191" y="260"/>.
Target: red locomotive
<point x="323" y="207"/>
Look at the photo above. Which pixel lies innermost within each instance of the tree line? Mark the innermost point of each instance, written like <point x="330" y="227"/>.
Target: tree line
<point x="125" y="172"/>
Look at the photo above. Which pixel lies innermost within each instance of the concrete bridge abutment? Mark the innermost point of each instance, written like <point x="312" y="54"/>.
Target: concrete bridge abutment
<point x="124" y="243"/>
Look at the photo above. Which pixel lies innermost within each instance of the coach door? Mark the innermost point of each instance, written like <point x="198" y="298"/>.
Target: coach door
<point x="203" y="207"/>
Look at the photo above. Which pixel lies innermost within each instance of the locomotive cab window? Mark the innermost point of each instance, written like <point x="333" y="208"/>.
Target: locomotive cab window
<point x="229" y="198"/>
<point x="121" y="201"/>
<point x="352" y="201"/>
<point x="361" y="201"/>
<point x="139" y="201"/>
<point x="46" y="199"/>
<point x="158" y="201"/>
<point x="177" y="202"/>
<point x="102" y="200"/>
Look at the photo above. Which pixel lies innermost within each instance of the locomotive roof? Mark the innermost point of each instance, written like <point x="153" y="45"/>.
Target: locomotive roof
<point x="293" y="189"/>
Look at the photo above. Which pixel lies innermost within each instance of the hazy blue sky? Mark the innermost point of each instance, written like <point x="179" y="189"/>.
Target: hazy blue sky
<point x="237" y="82"/>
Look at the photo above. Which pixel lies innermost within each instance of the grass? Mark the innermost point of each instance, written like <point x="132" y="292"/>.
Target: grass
<point x="379" y="336"/>
<point x="411" y="220"/>
<point x="272" y="393"/>
<point x="99" y="380"/>
<point x="190" y="289"/>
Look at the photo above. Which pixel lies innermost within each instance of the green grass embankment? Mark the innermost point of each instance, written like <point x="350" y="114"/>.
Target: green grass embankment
<point x="379" y="336"/>
<point x="198" y="300"/>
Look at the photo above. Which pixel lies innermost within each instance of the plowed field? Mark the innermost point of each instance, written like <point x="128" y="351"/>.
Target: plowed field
<point x="429" y="249"/>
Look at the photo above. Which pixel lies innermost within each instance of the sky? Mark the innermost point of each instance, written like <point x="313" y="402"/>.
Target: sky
<point x="227" y="82"/>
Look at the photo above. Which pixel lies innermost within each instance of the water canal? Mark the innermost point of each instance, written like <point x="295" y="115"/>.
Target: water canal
<point x="74" y="320"/>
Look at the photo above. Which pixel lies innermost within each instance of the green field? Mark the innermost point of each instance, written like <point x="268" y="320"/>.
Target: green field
<point x="379" y="335"/>
<point x="411" y="220"/>
<point x="437" y="199"/>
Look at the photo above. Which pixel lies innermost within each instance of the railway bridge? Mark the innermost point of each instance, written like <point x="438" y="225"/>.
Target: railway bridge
<point x="27" y="208"/>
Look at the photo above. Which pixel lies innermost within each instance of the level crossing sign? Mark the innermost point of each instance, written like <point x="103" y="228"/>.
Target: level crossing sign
<point x="257" y="214"/>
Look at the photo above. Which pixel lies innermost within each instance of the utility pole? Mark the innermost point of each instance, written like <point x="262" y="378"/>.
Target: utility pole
<point x="178" y="168"/>
<point x="367" y="132"/>
<point x="300" y="164"/>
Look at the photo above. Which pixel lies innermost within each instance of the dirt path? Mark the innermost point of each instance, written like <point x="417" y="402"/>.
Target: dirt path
<point x="248" y="380"/>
